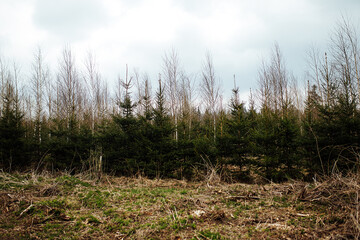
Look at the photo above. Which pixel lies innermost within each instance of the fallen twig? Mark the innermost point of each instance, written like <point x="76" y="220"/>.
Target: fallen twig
<point x="26" y="209"/>
<point x="234" y="198"/>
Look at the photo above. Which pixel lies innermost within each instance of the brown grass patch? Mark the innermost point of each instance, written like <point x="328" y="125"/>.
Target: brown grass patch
<point x="75" y="207"/>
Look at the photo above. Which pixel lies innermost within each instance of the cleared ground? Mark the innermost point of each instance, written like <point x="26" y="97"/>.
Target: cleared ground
<point x="71" y="207"/>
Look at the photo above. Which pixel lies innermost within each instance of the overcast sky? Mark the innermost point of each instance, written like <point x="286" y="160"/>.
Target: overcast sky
<point x="238" y="33"/>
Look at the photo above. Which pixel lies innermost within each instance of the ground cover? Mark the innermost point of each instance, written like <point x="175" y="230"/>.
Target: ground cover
<point x="40" y="206"/>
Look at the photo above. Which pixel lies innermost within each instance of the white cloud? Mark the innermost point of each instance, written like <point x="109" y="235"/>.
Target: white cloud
<point x="18" y="36"/>
<point x="138" y="32"/>
<point x="69" y="20"/>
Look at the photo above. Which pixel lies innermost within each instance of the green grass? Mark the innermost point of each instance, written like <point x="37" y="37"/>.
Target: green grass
<point x="95" y="199"/>
<point x="156" y="209"/>
<point x="70" y="182"/>
<point x="207" y="234"/>
<point x="54" y="203"/>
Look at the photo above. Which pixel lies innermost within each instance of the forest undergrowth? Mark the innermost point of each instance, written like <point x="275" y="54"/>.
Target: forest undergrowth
<point x="63" y="206"/>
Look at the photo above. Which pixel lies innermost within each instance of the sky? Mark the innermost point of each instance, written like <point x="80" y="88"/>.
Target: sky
<point x="237" y="33"/>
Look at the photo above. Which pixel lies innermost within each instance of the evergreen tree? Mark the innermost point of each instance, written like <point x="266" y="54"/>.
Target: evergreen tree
<point x="331" y="135"/>
<point x="69" y="147"/>
<point x="163" y="158"/>
<point x="310" y="140"/>
<point x="277" y="146"/>
<point x="12" y="131"/>
<point x="121" y="140"/>
<point x="233" y="143"/>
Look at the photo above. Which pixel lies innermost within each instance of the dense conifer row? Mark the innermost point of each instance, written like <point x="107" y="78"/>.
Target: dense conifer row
<point x="67" y="120"/>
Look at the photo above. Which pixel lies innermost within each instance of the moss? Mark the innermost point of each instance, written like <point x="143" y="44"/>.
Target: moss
<point x="94" y="199"/>
<point x="69" y="182"/>
<point x="55" y="203"/>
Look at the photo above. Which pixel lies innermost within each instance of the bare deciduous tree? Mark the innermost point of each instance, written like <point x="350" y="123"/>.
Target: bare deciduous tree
<point x="187" y="95"/>
<point x="118" y="97"/>
<point x="322" y="76"/>
<point x="68" y="88"/>
<point x="275" y="84"/>
<point x="39" y="79"/>
<point x="139" y="94"/>
<point x="210" y="88"/>
<point x="345" y="54"/>
<point x="4" y="78"/>
<point x="98" y="89"/>
<point x="264" y="87"/>
<point x="171" y="70"/>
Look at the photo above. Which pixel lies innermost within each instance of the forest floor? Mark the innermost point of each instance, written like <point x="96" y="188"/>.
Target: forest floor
<point x="71" y="207"/>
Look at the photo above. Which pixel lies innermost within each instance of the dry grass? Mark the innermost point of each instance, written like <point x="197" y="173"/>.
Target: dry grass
<point x="77" y="207"/>
<point x="341" y="194"/>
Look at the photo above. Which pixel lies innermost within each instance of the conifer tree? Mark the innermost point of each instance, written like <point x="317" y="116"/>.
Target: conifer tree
<point x="12" y="132"/>
<point x="162" y="151"/>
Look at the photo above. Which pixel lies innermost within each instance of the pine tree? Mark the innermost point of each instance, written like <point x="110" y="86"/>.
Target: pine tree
<point x="163" y="157"/>
<point x="122" y="139"/>
<point x="12" y="132"/>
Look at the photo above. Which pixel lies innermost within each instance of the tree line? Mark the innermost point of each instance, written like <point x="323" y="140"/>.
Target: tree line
<point x="70" y="120"/>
